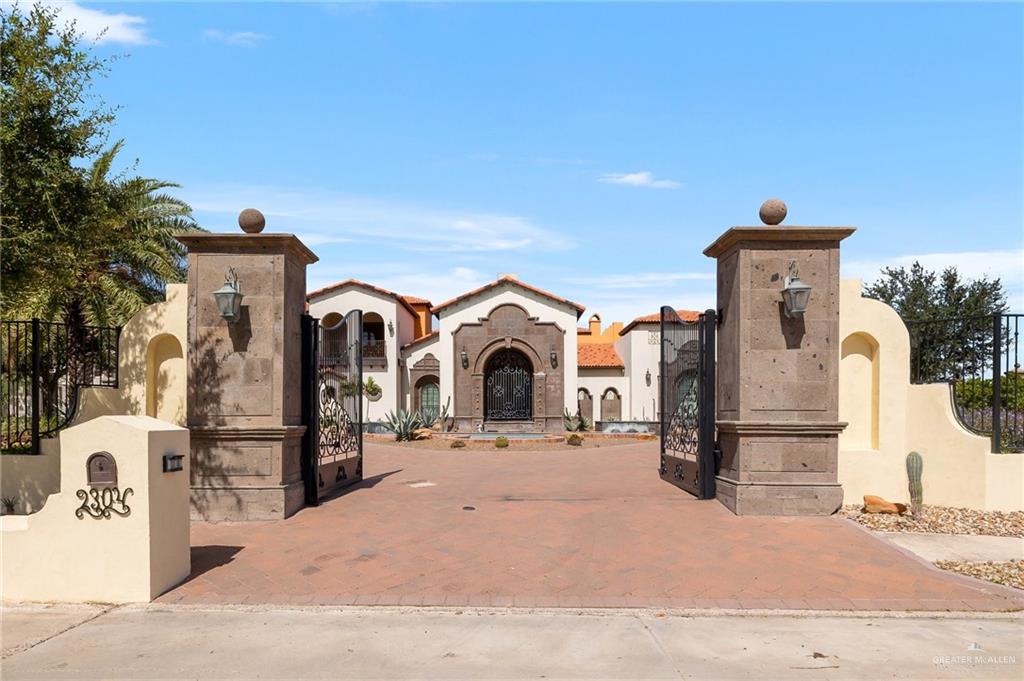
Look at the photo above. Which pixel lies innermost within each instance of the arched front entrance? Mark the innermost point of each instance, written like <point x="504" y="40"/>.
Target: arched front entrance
<point x="508" y="387"/>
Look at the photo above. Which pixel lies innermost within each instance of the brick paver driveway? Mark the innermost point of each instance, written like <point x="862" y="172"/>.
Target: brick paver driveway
<point x="592" y="528"/>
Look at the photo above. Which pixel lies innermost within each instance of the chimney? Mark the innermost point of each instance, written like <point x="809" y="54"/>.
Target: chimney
<point x="595" y="325"/>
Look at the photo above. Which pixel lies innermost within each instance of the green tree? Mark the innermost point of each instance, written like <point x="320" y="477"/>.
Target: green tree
<point x="949" y="318"/>
<point x="79" y="243"/>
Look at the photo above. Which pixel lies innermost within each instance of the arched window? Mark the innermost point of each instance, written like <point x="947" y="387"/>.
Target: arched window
<point x="428" y="397"/>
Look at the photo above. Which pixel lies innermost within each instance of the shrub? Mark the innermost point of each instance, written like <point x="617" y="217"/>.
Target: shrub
<point x="574" y="439"/>
<point x="501" y="442"/>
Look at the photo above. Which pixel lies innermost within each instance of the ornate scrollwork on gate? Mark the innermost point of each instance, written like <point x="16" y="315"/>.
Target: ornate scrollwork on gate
<point x="509" y="387"/>
<point x="338" y="436"/>
<point x="681" y="434"/>
<point x="100" y="502"/>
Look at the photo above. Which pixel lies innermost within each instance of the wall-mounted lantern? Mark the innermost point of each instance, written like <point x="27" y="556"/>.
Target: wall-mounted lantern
<point x="229" y="297"/>
<point x="553" y="356"/>
<point x="465" y="358"/>
<point x="795" y="293"/>
<point x="391" y="328"/>
<point x="647" y="377"/>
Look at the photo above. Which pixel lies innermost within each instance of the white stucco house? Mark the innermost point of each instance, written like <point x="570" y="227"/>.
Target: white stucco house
<point x="505" y="357"/>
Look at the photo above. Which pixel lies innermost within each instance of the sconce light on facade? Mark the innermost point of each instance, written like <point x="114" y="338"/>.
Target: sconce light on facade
<point x="795" y="293"/>
<point x="464" y="356"/>
<point x="647" y="377"/>
<point x="391" y="328"/>
<point x="229" y="297"/>
<point x="554" y="358"/>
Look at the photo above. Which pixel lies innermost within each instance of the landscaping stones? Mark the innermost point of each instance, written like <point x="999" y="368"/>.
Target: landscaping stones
<point x="943" y="520"/>
<point x="458" y="444"/>
<point x="574" y="439"/>
<point x="873" y="504"/>
<point x="422" y="434"/>
<point x="1007" y="573"/>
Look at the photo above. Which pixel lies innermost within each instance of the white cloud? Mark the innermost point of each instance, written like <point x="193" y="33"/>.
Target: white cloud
<point x="435" y="284"/>
<point x="237" y="39"/>
<point x="644" y="178"/>
<point x="1007" y="265"/>
<point x="640" y="279"/>
<point x="328" y="217"/>
<point x="102" y="27"/>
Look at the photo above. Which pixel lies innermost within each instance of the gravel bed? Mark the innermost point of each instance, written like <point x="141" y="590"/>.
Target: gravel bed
<point x="1008" y="573"/>
<point x="943" y="520"/>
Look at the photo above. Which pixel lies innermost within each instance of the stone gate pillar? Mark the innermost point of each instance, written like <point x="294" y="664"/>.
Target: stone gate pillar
<point x="778" y="375"/>
<point x="244" y="377"/>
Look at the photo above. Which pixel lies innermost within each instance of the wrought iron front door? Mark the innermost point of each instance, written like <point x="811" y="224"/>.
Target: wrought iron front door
<point x="508" y="387"/>
<point x="332" y="405"/>
<point x="689" y="456"/>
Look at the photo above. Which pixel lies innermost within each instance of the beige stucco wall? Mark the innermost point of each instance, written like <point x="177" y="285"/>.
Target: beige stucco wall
<point x="472" y="309"/>
<point x="151" y="381"/>
<point x="54" y="556"/>
<point x="888" y="417"/>
<point x="151" y="365"/>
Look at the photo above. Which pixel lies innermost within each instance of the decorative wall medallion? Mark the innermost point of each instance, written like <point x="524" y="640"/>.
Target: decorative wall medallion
<point x="101" y="502"/>
<point x="100" y="469"/>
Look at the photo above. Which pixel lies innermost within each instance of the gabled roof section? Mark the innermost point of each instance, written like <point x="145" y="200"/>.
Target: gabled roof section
<point x="685" y="315"/>
<point x="416" y="300"/>
<point x="401" y="300"/>
<point x="598" y="356"/>
<point x="508" y="279"/>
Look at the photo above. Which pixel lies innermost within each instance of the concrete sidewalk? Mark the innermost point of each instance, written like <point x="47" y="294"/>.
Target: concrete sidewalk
<point x="969" y="547"/>
<point x="201" y="642"/>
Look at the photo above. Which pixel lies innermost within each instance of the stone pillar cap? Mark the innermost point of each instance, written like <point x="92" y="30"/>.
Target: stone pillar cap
<point x="214" y="242"/>
<point x="735" y="235"/>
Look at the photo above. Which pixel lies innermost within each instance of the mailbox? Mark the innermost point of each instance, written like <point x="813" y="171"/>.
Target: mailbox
<point x="100" y="469"/>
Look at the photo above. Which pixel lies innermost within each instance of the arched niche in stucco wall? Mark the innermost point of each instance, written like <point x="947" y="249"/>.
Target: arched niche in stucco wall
<point x="858" y="391"/>
<point x="165" y="379"/>
<point x="611" y="405"/>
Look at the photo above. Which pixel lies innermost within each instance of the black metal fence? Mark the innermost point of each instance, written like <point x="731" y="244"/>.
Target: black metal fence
<point x="44" y="364"/>
<point x="980" y="359"/>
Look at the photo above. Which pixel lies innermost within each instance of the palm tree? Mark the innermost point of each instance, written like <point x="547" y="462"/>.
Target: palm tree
<point x="121" y="253"/>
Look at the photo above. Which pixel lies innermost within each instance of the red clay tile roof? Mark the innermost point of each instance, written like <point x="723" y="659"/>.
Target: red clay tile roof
<point x="416" y="300"/>
<point x="598" y="355"/>
<point x="685" y="315"/>
<point x="511" y="280"/>
<point x="432" y="334"/>
<point x="362" y="284"/>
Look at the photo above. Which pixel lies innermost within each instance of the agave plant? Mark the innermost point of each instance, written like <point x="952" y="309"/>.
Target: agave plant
<point x="402" y="424"/>
<point x="575" y="422"/>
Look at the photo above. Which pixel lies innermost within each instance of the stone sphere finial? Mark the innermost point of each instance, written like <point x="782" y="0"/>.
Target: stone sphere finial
<point x="773" y="211"/>
<point x="251" y="221"/>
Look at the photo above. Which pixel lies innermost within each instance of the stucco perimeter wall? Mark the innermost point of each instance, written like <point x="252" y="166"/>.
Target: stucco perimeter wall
<point x="53" y="555"/>
<point x="151" y="365"/>
<point x="888" y="417"/>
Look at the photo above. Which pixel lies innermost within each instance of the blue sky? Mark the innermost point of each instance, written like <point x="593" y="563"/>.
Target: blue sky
<point x="594" y="150"/>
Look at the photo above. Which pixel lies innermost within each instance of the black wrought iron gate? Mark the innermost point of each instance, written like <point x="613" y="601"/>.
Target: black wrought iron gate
<point x="689" y="456"/>
<point x="332" y="400"/>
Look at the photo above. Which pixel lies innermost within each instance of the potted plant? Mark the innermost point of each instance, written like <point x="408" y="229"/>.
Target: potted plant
<point x="372" y="389"/>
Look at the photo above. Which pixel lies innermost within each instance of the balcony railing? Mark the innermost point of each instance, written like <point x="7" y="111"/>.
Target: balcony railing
<point x="374" y="353"/>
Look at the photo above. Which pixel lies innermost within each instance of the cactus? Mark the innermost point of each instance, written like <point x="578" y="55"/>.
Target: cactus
<point x="914" y="468"/>
<point x="402" y="424"/>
